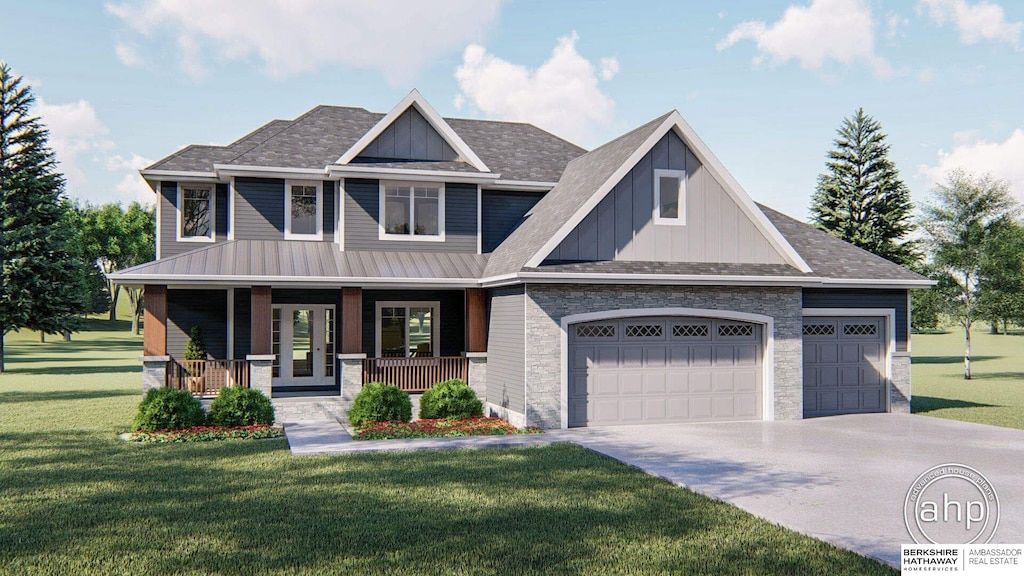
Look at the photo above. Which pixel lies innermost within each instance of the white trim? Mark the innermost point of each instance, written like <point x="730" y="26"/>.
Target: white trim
<point x="410" y="237"/>
<point x="414" y="98"/>
<point x="435" y="323"/>
<point x="319" y="234"/>
<point x="332" y="281"/>
<point x="675" y="122"/>
<point x="680" y="219"/>
<point x="910" y="324"/>
<point x="371" y="171"/>
<point x="352" y="356"/>
<point x="231" y="209"/>
<point x="768" y="336"/>
<point x="890" y="328"/>
<point x="231" y="324"/>
<point x="226" y="170"/>
<point x="213" y="213"/>
<point x="339" y="213"/>
<point x="317" y="342"/>
<point x="159" y="212"/>
<point x="479" y="220"/>
<point x="523" y="185"/>
<point x="180" y="175"/>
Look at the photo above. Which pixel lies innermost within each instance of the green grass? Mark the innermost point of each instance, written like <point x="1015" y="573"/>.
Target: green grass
<point x="74" y="499"/>
<point x="995" y="394"/>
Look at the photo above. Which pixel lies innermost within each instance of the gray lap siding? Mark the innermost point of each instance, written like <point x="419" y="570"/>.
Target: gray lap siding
<point x="168" y="199"/>
<point x="546" y="305"/>
<point x="259" y="209"/>
<point x="506" y="349"/>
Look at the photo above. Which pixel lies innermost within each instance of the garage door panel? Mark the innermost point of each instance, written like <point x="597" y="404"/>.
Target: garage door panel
<point x="678" y="409"/>
<point x="721" y="382"/>
<point x="631" y="410"/>
<point x="849" y="377"/>
<point x="700" y="382"/>
<point x="655" y="409"/>
<point x="723" y="356"/>
<point x="607" y="384"/>
<point x="655" y="383"/>
<point x="828" y="377"/>
<point x="700" y="356"/>
<point x="700" y="407"/>
<point x="678" y="382"/>
<point x="870" y="376"/>
<point x="745" y="381"/>
<point x="632" y="384"/>
<point x="746" y="355"/>
<point x="582" y="357"/>
<point x="843" y="366"/>
<point x="679" y="356"/>
<point x="632" y="357"/>
<point x="827" y="353"/>
<point x="578" y="386"/>
<point x="606" y="357"/>
<point x="851" y="353"/>
<point x="654" y="357"/>
<point x="746" y="406"/>
<point x="606" y="410"/>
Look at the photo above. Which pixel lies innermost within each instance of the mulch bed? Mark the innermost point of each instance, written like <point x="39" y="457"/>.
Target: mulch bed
<point x="207" y="434"/>
<point x="441" y="428"/>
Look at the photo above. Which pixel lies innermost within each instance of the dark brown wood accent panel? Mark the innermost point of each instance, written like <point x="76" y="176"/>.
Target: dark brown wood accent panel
<point x="261" y="320"/>
<point x="476" y="320"/>
<point x="154" y="341"/>
<point x="351" y="320"/>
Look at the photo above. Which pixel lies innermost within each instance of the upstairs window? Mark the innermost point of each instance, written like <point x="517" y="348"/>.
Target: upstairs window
<point x="670" y="197"/>
<point x="195" y="212"/>
<point x="304" y="209"/>
<point x="411" y="211"/>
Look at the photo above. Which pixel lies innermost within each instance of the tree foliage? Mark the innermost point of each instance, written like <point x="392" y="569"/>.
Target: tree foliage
<point x="1001" y="276"/>
<point x="963" y="224"/>
<point x="40" y="284"/>
<point x="861" y="198"/>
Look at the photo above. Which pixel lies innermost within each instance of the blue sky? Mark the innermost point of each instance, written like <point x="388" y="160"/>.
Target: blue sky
<point x="764" y="83"/>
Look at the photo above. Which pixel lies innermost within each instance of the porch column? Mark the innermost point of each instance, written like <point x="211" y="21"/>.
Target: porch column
<point x="476" y="320"/>
<point x="351" y="356"/>
<point x="154" y="340"/>
<point x="261" y="319"/>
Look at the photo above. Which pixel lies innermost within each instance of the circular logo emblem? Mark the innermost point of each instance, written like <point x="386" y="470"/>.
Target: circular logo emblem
<point x="951" y="504"/>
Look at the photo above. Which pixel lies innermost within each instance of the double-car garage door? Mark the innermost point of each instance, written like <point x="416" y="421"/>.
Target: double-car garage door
<point x="663" y="370"/>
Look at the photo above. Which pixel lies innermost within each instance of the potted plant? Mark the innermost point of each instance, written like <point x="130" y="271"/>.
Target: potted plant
<point x="195" y="349"/>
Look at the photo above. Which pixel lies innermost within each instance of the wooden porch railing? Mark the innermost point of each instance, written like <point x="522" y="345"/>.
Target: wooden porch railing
<point x="207" y="377"/>
<point x="415" y="374"/>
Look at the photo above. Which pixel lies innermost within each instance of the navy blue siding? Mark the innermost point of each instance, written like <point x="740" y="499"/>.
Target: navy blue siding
<point x="329" y="219"/>
<point x="453" y="316"/>
<point x="222" y="216"/>
<point x="204" y="308"/>
<point x="243" y="327"/>
<point x="362" y="208"/>
<point x="501" y="214"/>
<point x="864" y="298"/>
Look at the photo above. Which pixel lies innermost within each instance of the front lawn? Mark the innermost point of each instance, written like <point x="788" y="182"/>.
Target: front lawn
<point x="74" y="499"/>
<point x="995" y="394"/>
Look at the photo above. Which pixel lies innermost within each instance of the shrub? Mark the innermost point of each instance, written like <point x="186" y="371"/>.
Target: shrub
<point x="450" y="399"/>
<point x="378" y="402"/>
<point x="237" y="406"/>
<point x="195" y="348"/>
<point x="168" y="409"/>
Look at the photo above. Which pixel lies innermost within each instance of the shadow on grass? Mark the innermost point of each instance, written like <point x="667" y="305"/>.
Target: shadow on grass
<point x="998" y="376"/>
<point x="68" y="370"/>
<point x="922" y="404"/>
<point x="16" y="397"/>
<point x="950" y="359"/>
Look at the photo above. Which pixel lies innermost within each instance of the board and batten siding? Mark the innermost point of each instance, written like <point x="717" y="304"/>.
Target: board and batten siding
<point x="506" y="349"/>
<point x="204" y="308"/>
<point x="362" y="208"/>
<point x="621" y="227"/>
<point x="169" y="245"/>
<point x="501" y="213"/>
<point x="864" y="298"/>
<point x="452" y="336"/>
<point x="409" y="137"/>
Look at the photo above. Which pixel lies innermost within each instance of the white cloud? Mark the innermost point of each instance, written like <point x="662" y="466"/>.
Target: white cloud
<point x="840" y="30"/>
<point x="132" y="187"/>
<point x="295" y="36"/>
<point x="1001" y="159"/>
<point x="926" y="76"/>
<point x="75" y="131"/>
<point x="895" y="26"/>
<point x="562" y="95"/>
<point x="127" y="55"/>
<point x="976" y="23"/>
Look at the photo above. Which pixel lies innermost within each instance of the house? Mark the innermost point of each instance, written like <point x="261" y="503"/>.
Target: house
<point x="634" y="283"/>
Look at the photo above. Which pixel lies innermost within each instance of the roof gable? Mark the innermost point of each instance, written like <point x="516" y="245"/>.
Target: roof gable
<point x="409" y="138"/>
<point x="415" y="101"/>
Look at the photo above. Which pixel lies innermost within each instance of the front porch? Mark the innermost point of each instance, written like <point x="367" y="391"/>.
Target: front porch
<point x="324" y="342"/>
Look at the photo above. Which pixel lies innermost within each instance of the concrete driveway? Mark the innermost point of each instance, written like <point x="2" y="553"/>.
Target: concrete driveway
<point x="842" y="479"/>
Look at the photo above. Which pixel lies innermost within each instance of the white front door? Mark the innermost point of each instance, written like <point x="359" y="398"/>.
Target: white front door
<point x="303" y="339"/>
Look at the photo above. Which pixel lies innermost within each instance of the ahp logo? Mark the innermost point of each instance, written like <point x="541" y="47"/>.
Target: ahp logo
<point x="951" y="504"/>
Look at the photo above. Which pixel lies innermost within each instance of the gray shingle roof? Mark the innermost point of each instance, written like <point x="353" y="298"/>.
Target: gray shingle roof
<point x="319" y="137"/>
<point x="581" y="179"/>
<point x="282" y="260"/>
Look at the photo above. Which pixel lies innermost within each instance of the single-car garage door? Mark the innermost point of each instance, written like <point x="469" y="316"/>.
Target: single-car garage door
<point x="844" y="365"/>
<point x="661" y="370"/>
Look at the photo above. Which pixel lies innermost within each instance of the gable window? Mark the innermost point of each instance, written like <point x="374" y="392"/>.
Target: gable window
<point x="304" y="210"/>
<point x="195" y="212"/>
<point x="411" y="211"/>
<point x="670" y="197"/>
<point x="407" y="329"/>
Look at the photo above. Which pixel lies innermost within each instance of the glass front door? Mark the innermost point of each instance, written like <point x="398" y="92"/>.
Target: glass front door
<point x="303" y="344"/>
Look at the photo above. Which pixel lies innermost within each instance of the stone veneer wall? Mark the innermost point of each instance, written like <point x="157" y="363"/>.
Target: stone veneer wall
<point x="899" y="391"/>
<point x="547" y="304"/>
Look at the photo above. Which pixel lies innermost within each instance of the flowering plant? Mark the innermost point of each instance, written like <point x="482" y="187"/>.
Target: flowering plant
<point x="207" y="433"/>
<point x="441" y="428"/>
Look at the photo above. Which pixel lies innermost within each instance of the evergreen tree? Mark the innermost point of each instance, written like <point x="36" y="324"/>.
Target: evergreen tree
<point x="40" y="284"/>
<point x="861" y="198"/>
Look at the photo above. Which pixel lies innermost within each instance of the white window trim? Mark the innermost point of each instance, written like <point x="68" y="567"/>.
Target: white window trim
<point x="288" y="234"/>
<point x="435" y="327"/>
<point x="439" y="237"/>
<point x="231" y="209"/>
<point x="681" y="175"/>
<point x="339" y="214"/>
<point x="213" y="212"/>
<point x="159" y="215"/>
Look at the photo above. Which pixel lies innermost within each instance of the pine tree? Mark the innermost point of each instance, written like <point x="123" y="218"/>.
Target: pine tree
<point x="861" y="198"/>
<point x="39" y="285"/>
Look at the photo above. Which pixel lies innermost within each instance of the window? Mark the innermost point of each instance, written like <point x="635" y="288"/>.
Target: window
<point x="304" y="209"/>
<point x="411" y="211"/>
<point x="407" y="329"/>
<point x="195" y="212"/>
<point x="670" y="197"/>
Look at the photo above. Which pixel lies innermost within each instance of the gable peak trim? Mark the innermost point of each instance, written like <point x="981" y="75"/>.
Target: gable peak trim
<point x="415" y="99"/>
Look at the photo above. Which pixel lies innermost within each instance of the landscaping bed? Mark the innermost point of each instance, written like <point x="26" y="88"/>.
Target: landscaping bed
<point x="206" y="434"/>
<point x="441" y="428"/>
